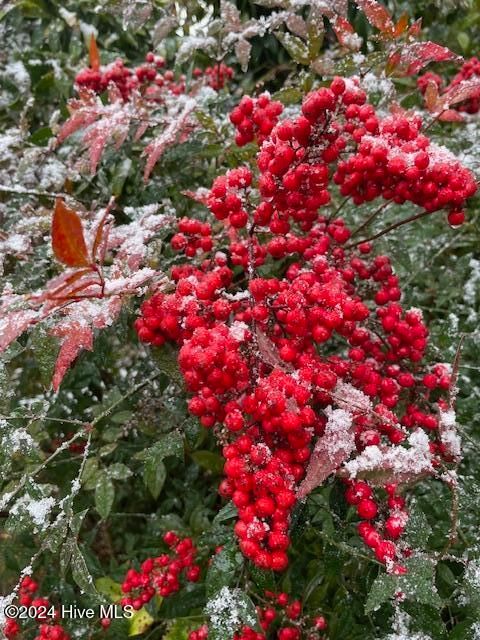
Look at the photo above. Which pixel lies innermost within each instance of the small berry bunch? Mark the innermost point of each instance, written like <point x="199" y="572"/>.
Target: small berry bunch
<point x="193" y="236"/>
<point x="48" y="628"/>
<point x="254" y="118"/>
<point x="218" y="75"/>
<point x="149" y="78"/>
<point x="161" y="575"/>
<point x="318" y="369"/>
<point x="283" y="616"/>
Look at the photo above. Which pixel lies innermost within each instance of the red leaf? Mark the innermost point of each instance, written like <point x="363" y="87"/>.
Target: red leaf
<point x="168" y="137"/>
<point x="331" y="450"/>
<point x="343" y="30"/>
<point x="418" y="54"/>
<point x="377" y="14"/>
<point x="431" y="96"/>
<point x="462" y="91"/>
<point x="13" y="324"/>
<point x="416" y="28"/>
<point x="450" y="115"/>
<point x="401" y="26"/>
<point x="68" y="242"/>
<point x="94" y="54"/>
<point x="75" y="338"/>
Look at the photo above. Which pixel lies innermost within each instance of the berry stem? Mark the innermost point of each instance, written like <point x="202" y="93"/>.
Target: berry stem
<point x="391" y="227"/>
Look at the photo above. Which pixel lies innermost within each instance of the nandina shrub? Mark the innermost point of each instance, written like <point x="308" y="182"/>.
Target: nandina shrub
<point x="317" y="370"/>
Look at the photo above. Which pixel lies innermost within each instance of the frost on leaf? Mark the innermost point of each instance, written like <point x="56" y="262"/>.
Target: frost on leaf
<point x="83" y="299"/>
<point x="381" y="465"/>
<point x="331" y="450"/>
<point x="175" y="131"/>
<point x="416" y="55"/>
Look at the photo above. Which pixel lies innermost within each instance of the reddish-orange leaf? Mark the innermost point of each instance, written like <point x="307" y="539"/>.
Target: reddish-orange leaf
<point x="450" y="115"/>
<point x="376" y="14"/>
<point x="94" y="54"/>
<point x="416" y="28"/>
<point x="431" y="96"/>
<point x="401" y="26"/>
<point x="343" y="30"/>
<point x="68" y="242"/>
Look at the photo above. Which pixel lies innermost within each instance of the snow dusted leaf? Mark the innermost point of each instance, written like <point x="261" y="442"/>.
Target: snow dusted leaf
<point x="80" y="572"/>
<point x="101" y="123"/>
<point x="417" y="55"/>
<point x="162" y="28"/>
<point x="269" y="352"/>
<point x="395" y="464"/>
<point x="200" y="195"/>
<point x="376" y="14"/>
<point x="178" y="125"/>
<point x="75" y="338"/>
<point x="417" y="584"/>
<point x="461" y="91"/>
<point x="191" y="44"/>
<point x="243" y="49"/>
<point x="14" y="323"/>
<point x="331" y="450"/>
<point x="94" y="54"/>
<point x="297" y="25"/>
<point x="450" y="115"/>
<point x="135" y="14"/>
<point x="297" y="49"/>
<point x="230" y="16"/>
<point x="345" y="33"/>
<point x="68" y="242"/>
<point x="83" y="110"/>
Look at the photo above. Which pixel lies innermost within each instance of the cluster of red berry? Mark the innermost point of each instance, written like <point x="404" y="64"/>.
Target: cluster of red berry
<point x="266" y="359"/>
<point x="281" y="614"/>
<point x="161" y="575"/>
<point x="147" y="78"/>
<point x="470" y="70"/>
<point x="48" y="628"/>
<point x="193" y="236"/>
<point x="218" y="75"/>
<point x="254" y="118"/>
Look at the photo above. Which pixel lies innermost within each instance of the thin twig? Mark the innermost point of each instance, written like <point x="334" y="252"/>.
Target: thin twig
<point x="391" y="227"/>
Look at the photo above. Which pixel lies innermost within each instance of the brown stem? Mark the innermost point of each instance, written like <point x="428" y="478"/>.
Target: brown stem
<point x="370" y="219"/>
<point x="391" y="227"/>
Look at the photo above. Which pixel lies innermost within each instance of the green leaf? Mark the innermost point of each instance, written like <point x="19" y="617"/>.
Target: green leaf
<point x="109" y="588"/>
<point x="166" y="359"/>
<point x="104" y="495"/>
<point x="77" y="521"/>
<point x="185" y="603"/>
<point x="227" y="512"/>
<point x="417" y="531"/>
<point x="119" y="471"/>
<point x="297" y="49"/>
<point x="80" y="572"/>
<point x="463" y="40"/>
<point x="154" y="475"/>
<point x="140" y="622"/>
<point x="417" y="585"/>
<point x="224" y="568"/>
<point x="288" y="96"/>
<point x="209" y="460"/>
<point x="168" y="444"/>
<point x="45" y="350"/>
